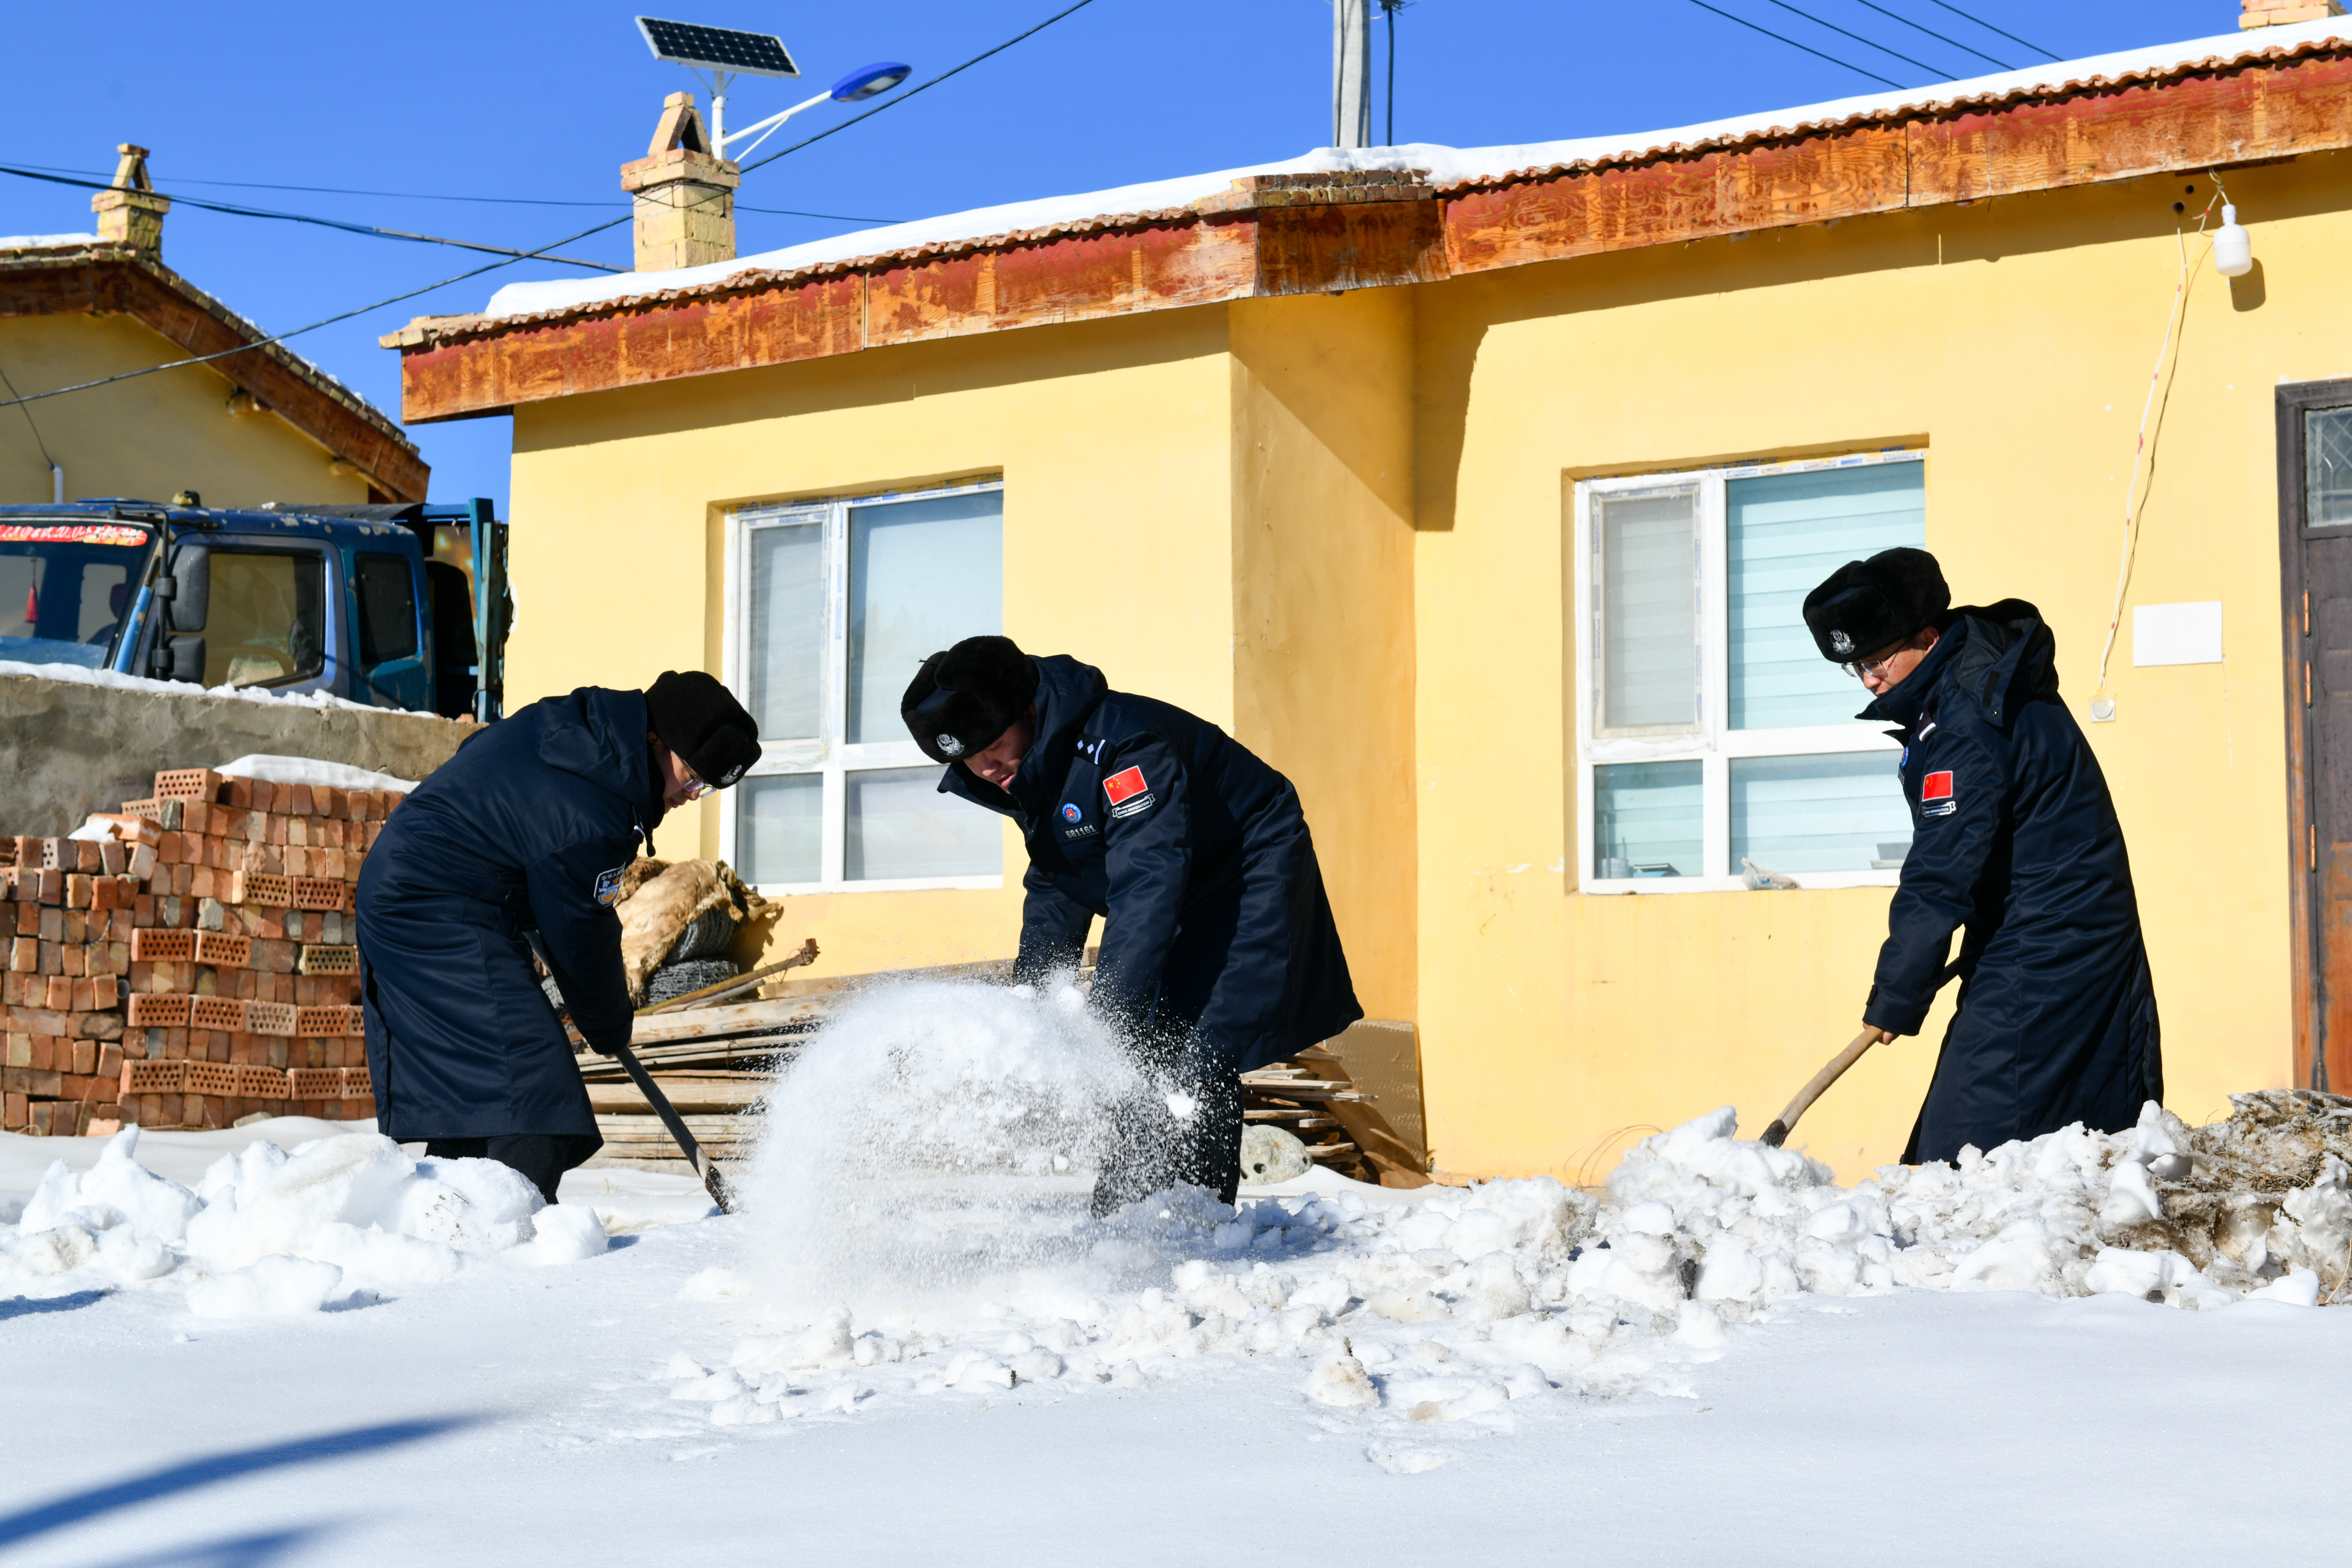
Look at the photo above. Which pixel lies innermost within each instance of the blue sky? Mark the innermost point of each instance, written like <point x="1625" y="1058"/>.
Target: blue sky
<point x="546" y="101"/>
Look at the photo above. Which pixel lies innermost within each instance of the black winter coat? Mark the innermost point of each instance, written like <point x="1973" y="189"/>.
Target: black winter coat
<point x="528" y="827"/>
<point x="1196" y="853"/>
<point x="2013" y="836"/>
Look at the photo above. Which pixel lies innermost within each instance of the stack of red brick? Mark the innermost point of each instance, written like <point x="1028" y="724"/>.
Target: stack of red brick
<point x="194" y="966"/>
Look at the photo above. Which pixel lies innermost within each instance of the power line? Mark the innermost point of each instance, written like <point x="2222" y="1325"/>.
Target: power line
<point x="1793" y="43"/>
<point x="367" y="228"/>
<point x="28" y="412"/>
<point x="1988" y="27"/>
<point x="1933" y="34"/>
<point x="1866" y="42"/>
<point x="440" y="197"/>
<point x="314" y="326"/>
<point x="920" y="87"/>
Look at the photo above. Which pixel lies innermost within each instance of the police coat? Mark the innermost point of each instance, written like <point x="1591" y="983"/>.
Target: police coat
<point x="2015" y="838"/>
<point x="529" y="825"/>
<point x="1197" y="855"/>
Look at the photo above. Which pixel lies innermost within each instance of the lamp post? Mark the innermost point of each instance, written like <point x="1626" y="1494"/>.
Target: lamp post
<point x="726" y="52"/>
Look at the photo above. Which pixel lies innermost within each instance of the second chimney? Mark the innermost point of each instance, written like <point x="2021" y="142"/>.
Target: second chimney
<point x="130" y="211"/>
<point x="684" y="195"/>
<point x="2279" y="13"/>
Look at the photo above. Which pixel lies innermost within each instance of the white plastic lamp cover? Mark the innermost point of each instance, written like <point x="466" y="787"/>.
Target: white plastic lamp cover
<point x="2233" y="249"/>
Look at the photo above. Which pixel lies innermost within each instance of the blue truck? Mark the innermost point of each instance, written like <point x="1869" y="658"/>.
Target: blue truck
<point x="393" y="605"/>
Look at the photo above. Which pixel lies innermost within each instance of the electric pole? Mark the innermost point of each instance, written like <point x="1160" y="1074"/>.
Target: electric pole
<point x="1351" y="73"/>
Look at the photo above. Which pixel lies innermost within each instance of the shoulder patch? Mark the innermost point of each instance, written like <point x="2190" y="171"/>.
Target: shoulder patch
<point x="608" y="886"/>
<point x="1936" y="796"/>
<point x="1128" y="793"/>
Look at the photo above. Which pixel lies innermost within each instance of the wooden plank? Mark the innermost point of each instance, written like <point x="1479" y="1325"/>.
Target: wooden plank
<point x="687" y="1095"/>
<point x="704" y="1023"/>
<point x="1670" y="200"/>
<point x="1075" y="277"/>
<point x="1368" y="245"/>
<point x="2194" y="123"/>
<point x="777" y="325"/>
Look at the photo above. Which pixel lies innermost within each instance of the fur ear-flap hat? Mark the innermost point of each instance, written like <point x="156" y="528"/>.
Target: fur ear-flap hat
<point x="1866" y="606"/>
<point x="963" y="701"/>
<point x="700" y="721"/>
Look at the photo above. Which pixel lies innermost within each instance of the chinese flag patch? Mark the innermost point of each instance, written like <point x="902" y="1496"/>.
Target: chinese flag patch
<point x="1936" y="786"/>
<point x="1122" y="786"/>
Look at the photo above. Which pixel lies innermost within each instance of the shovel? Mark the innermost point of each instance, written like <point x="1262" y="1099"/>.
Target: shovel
<point x="712" y="1181"/>
<point x="1777" y="1133"/>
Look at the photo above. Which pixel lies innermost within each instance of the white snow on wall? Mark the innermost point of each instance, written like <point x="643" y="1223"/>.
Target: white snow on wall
<point x="46" y="241"/>
<point x="81" y="675"/>
<point x="1445" y="165"/>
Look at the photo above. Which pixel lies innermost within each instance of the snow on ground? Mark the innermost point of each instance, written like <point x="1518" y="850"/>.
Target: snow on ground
<point x="294" y="1342"/>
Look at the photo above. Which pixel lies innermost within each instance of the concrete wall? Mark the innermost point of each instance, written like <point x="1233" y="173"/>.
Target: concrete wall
<point x="151" y="437"/>
<point x="67" y="749"/>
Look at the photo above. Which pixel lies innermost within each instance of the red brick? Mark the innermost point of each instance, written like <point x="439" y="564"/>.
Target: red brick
<point x="220" y="949"/>
<point x="167" y="946"/>
<point x="188" y="784"/>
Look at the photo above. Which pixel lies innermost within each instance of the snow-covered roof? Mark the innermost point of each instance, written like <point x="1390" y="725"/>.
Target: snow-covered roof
<point x="1447" y="167"/>
<point x="47" y="241"/>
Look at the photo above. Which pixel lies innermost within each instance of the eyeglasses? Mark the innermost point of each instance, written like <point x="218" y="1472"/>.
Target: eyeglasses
<point x="1874" y="665"/>
<point x="695" y="788"/>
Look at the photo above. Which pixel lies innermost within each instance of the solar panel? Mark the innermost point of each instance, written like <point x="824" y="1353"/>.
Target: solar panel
<point x="717" y="48"/>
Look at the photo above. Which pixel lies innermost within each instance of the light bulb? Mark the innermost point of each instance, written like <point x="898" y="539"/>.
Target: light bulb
<point x="2233" y="249"/>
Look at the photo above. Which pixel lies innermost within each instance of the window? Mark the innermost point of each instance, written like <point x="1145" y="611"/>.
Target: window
<point x="834" y="605"/>
<point x="1711" y="730"/>
<point x="387" y="597"/>
<point x="265" y="624"/>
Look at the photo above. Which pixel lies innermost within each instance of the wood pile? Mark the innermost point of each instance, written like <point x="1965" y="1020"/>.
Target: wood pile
<point x="191" y="963"/>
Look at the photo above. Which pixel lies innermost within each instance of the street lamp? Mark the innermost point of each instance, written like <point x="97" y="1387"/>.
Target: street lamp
<point x="726" y="52"/>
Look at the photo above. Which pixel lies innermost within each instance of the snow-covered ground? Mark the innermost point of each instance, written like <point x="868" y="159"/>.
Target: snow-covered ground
<point x="917" y="1340"/>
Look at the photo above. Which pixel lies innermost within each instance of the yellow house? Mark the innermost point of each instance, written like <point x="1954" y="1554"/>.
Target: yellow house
<point x="258" y="424"/>
<point x="1476" y="491"/>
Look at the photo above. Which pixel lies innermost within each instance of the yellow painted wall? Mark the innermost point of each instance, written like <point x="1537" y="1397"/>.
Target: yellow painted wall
<point x="1111" y="442"/>
<point x="147" y="439"/>
<point x="2016" y="337"/>
<point x="1322" y="588"/>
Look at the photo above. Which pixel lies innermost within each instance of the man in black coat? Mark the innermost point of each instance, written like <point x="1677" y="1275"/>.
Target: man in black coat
<point x="525" y="834"/>
<point x="2015" y="838"/>
<point x="1219" y="953"/>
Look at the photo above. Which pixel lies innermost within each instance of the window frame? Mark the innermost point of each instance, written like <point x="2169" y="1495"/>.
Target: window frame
<point x="831" y="755"/>
<point x="1710" y="743"/>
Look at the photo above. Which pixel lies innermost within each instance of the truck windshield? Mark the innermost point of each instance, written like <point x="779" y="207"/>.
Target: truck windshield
<point x="66" y="588"/>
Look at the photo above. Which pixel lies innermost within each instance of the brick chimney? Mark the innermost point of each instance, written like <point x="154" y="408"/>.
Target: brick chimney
<point x="130" y="213"/>
<point x="2279" y="13"/>
<point x="685" y="196"/>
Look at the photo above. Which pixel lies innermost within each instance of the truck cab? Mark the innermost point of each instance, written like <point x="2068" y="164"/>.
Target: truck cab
<point x="394" y="606"/>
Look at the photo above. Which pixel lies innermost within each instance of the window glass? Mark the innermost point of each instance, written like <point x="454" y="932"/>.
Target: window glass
<point x="265" y="624"/>
<point x="64" y="589"/>
<point x="922" y="575"/>
<point x="1837" y="813"/>
<point x="2327" y="468"/>
<point x="1649" y="616"/>
<point x="387" y="595"/>
<point x="1646" y="819"/>
<point x="901" y="826"/>
<point x="1786" y="532"/>
<point x="780" y="828"/>
<point x="786" y="617"/>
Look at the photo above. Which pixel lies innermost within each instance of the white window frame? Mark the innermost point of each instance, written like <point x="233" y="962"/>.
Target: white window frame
<point x="1709" y="742"/>
<point x="831" y="755"/>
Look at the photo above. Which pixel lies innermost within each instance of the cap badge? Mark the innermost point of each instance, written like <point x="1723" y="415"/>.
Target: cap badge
<point x="1841" y="643"/>
<point x="949" y="744"/>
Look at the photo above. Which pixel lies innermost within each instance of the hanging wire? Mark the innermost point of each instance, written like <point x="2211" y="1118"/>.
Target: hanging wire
<point x="1933" y="34"/>
<point x="1857" y="37"/>
<point x="1793" y="43"/>
<point x="1988" y="27"/>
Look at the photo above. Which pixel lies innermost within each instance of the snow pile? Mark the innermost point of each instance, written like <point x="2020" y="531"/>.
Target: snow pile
<point x="82" y="675"/>
<point x="917" y="1225"/>
<point x="339" y="1220"/>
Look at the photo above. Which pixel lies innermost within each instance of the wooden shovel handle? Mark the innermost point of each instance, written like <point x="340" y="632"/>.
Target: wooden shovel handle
<point x="1777" y="1133"/>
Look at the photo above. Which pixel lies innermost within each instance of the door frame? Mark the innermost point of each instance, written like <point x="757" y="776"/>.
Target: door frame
<point x="2294" y="399"/>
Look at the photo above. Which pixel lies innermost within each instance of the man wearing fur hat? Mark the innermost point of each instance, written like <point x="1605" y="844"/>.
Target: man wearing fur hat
<point x="1219" y="953"/>
<point x="521" y="840"/>
<point x="2015" y="839"/>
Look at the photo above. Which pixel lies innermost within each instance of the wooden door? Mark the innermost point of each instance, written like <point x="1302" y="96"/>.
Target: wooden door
<point x="2314" y="450"/>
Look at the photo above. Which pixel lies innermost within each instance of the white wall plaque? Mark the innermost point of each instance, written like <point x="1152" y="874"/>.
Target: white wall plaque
<point x="2177" y="633"/>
